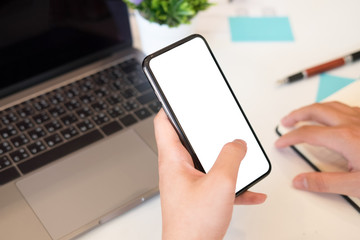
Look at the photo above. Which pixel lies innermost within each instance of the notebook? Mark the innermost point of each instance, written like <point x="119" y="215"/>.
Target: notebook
<point x="322" y="159"/>
<point x="76" y="118"/>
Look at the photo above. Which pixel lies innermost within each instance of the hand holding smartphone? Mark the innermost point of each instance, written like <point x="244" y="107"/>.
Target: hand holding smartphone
<point x="202" y="107"/>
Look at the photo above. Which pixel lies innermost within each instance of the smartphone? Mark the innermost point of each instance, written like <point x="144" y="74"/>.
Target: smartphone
<point x="202" y="107"/>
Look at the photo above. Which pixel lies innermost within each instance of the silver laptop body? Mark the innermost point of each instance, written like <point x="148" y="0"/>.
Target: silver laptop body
<point x="65" y="172"/>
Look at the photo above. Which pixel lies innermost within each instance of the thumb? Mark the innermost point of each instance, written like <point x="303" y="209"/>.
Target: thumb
<point x="340" y="183"/>
<point x="228" y="161"/>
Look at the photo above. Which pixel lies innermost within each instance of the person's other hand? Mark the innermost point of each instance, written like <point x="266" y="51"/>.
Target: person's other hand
<point x="197" y="205"/>
<point x="339" y="130"/>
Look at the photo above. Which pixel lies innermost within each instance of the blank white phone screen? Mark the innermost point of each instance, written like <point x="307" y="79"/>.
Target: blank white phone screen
<point x="205" y="108"/>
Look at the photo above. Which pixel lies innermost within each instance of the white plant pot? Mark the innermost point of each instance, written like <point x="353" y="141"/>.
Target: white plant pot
<point x="154" y="36"/>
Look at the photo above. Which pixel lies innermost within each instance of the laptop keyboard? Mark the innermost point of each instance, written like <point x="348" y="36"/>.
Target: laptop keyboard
<point x="45" y="128"/>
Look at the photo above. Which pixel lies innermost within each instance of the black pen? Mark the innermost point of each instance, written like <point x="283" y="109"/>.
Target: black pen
<point x="321" y="68"/>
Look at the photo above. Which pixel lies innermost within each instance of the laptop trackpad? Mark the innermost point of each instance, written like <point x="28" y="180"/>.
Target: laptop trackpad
<point x="91" y="182"/>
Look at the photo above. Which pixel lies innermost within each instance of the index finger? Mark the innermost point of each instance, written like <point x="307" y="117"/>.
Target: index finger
<point x="168" y="142"/>
<point x="164" y="131"/>
<point x="326" y="114"/>
<point x="314" y="135"/>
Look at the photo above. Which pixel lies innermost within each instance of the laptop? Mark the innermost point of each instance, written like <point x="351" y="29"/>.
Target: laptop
<point x="77" y="146"/>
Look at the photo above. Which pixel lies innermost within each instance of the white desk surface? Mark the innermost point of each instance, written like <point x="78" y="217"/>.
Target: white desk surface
<point x="323" y="30"/>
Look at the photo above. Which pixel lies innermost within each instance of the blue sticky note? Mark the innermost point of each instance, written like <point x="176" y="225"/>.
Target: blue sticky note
<point x="329" y="84"/>
<point x="245" y="29"/>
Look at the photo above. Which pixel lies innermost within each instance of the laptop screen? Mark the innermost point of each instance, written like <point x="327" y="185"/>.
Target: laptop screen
<point x="41" y="39"/>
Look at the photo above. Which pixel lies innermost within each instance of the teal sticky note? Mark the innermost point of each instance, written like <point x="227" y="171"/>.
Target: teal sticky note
<point x="329" y="84"/>
<point x="246" y="29"/>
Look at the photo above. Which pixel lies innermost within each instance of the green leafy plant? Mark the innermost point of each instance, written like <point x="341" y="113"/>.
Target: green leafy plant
<point x="168" y="12"/>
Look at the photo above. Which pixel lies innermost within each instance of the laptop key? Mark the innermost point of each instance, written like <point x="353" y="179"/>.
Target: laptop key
<point x="85" y="85"/>
<point x="19" y="140"/>
<point x="115" y="111"/>
<point x="134" y="78"/>
<point x="8" y="175"/>
<point x="72" y="92"/>
<point x="53" y="140"/>
<point x="118" y="85"/>
<point x="19" y="155"/>
<point x="4" y="162"/>
<point x="114" y="99"/>
<point x="41" y="118"/>
<point x="85" y="125"/>
<point x="115" y="72"/>
<point x="5" y="147"/>
<point x="111" y="128"/>
<point x="143" y="113"/>
<point x="69" y="119"/>
<point x="130" y="105"/>
<point x="100" y="79"/>
<point x="69" y="132"/>
<point x="155" y="106"/>
<point x="84" y="112"/>
<point x="59" y="151"/>
<point x="100" y="118"/>
<point x="147" y="97"/>
<point x="8" y="131"/>
<point x="128" y="93"/>
<point x="41" y="104"/>
<point x="36" y="147"/>
<point x="57" y="98"/>
<point x="25" y="111"/>
<point x="53" y="126"/>
<point x="87" y="98"/>
<point x="128" y="120"/>
<point x="101" y="92"/>
<point x="25" y="124"/>
<point x="129" y="65"/>
<point x="72" y="104"/>
<point x="143" y="87"/>
<point x="9" y="118"/>
<point x="57" y="111"/>
<point x="99" y="106"/>
<point x="36" y="133"/>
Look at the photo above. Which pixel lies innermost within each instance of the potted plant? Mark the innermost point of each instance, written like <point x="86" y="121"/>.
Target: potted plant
<point x="161" y="22"/>
<point x="169" y="12"/>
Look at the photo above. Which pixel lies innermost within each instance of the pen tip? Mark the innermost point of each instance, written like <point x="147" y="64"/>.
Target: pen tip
<point x="281" y="81"/>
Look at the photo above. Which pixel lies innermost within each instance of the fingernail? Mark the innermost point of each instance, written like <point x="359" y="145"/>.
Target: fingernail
<point x="261" y="199"/>
<point x="300" y="182"/>
<point x="242" y="142"/>
<point x="286" y="121"/>
<point x="283" y="120"/>
<point x="278" y="143"/>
